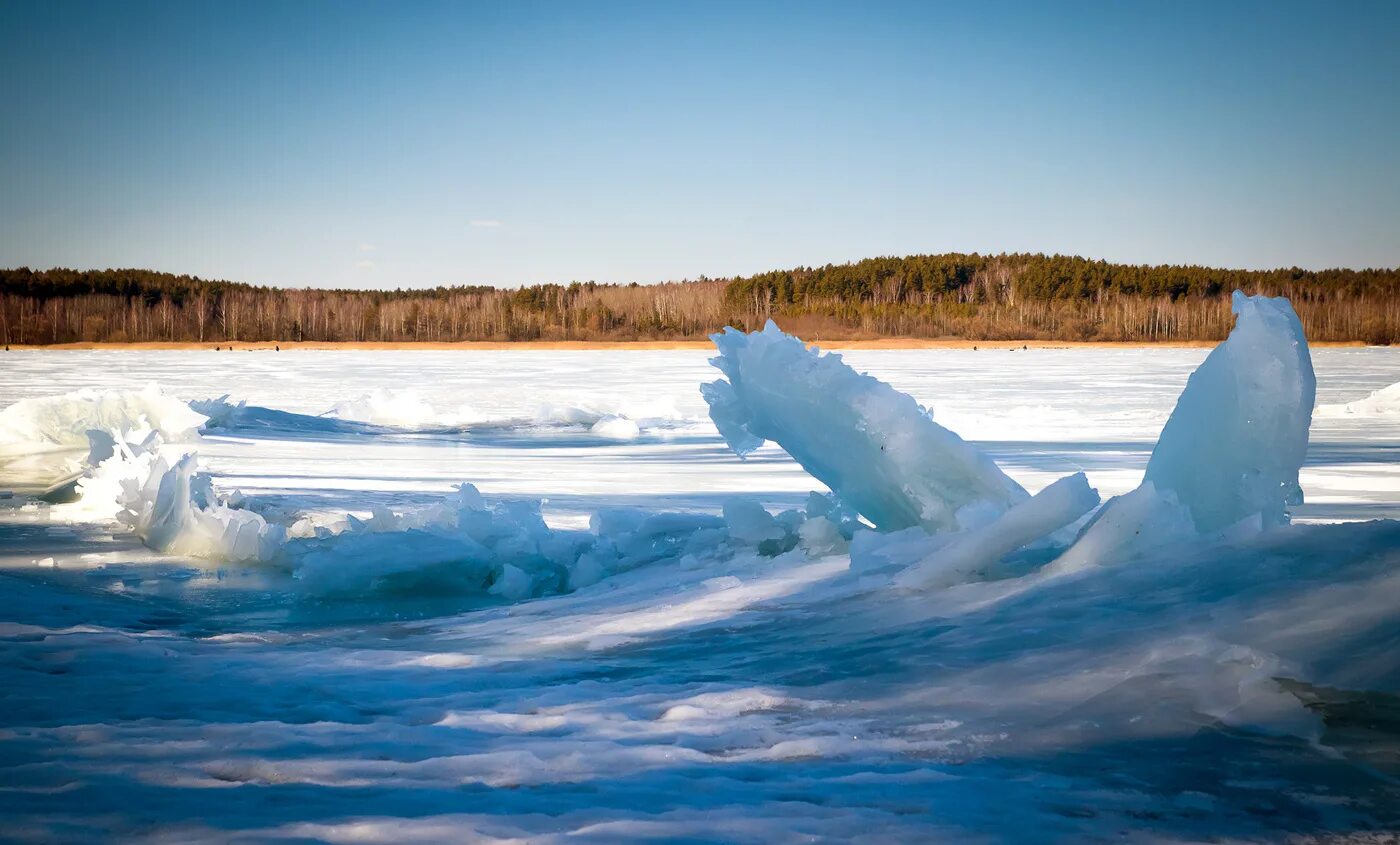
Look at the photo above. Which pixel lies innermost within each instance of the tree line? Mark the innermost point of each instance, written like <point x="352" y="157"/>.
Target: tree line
<point x="977" y="297"/>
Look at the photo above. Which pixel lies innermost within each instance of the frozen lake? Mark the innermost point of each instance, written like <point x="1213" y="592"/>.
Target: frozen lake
<point x="1246" y="690"/>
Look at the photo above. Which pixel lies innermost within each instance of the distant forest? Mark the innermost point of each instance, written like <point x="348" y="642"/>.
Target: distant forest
<point x="977" y="297"/>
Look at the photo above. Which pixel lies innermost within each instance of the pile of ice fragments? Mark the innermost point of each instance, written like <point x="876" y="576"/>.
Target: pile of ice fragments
<point x="463" y="543"/>
<point x="63" y="422"/>
<point x="1226" y="464"/>
<point x="911" y="501"/>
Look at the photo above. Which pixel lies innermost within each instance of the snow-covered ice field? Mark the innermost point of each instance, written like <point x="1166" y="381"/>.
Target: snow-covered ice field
<point x="1237" y="690"/>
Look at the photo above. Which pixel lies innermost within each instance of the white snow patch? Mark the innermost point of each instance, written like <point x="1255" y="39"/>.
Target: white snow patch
<point x="1379" y="404"/>
<point x="63" y="422"/>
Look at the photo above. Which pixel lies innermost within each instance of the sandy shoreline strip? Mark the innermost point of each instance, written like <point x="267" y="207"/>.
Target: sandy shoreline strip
<point x="639" y="345"/>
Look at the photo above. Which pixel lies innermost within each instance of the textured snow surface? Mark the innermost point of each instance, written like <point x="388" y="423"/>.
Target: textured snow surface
<point x="620" y="636"/>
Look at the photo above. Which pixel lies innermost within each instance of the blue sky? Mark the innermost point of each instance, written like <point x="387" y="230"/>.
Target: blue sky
<point x="387" y="144"/>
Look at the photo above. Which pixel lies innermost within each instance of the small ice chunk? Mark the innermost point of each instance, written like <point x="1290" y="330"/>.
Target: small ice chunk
<point x="820" y="536"/>
<point x="749" y="523"/>
<point x="875" y="447"/>
<point x="470" y="498"/>
<point x="723" y="582"/>
<point x="616" y="428"/>
<point x="586" y="571"/>
<point x="611" y="522"/>
<point x="872" y="551"/>
<point x="659" y="524"/>
<point x="826" y="505"/>
<point x="512" y="583"/>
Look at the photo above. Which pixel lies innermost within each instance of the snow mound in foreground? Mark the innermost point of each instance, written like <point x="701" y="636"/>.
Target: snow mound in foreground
<point x="63" y="422"/>
<point x="877" y="448"/>
<point x="1383" y="403"/>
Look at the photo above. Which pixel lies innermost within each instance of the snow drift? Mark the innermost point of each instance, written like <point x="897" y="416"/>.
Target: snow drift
<point x="384" y="411"/>
<point x="63" y="422"/>
<point x="400" y="409"/>
<point x="1379" y="404"/>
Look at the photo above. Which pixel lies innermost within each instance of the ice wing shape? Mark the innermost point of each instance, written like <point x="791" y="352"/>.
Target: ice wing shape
<point x="877" y="448"/>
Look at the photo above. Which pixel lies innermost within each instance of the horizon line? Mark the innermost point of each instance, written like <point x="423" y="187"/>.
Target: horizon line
<point x="703" y="277"/>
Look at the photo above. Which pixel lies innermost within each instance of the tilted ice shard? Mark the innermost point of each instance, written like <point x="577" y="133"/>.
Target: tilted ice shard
<point x="970" y="551"/>
<point x="877" y="448"/>
<point x="1233" y="446"/>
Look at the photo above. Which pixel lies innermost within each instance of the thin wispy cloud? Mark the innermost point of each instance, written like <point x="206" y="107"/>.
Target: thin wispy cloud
<point x="365" y="264"/>
<point x="365" y="247"/>
<point x="486" y="224"/>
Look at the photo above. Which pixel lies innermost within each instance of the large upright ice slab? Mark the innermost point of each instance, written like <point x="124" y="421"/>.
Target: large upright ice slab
<point x="877" y="448"/>
<point x="1228" y="458"/>
<point x="1233" y="446"/>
